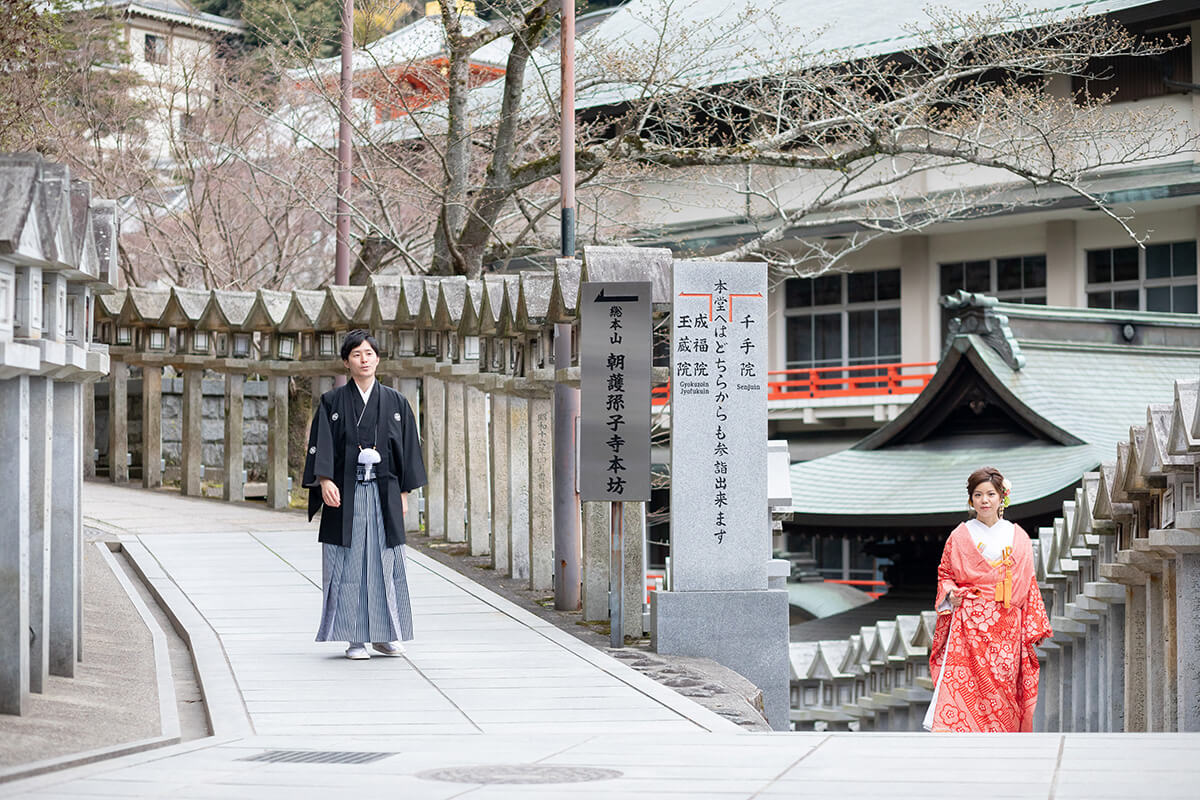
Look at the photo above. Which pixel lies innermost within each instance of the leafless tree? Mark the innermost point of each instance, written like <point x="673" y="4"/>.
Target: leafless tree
<point x="456" y="145"/>
<point x="805" y="136"/>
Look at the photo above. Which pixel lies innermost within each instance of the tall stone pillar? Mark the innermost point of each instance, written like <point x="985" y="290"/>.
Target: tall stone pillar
<point x="410" y="388"/>
<point x="435" y="454"/>
<point x="1050" y="687"/>
<point x="1155" y="672"/>
<point x="596" y="553"/>
<point x="234" y="488"/>
<point x="499" y="538"/>
<point x="66" y="546"/>
<point x="1116" y="667"/>
<point x="540" y="494"/>
<point x="1091" y="679"/>
<point x="152" y="426"/>
<point x="1066" y="695"/>
<point x="1187" y="654"/>
<point x="41" y="476"/>
<point x="14" y="546"/>
<point x="478" y="523"/>
<point x="1170" y="682"/>
<point x="518" y="488"/>
<point x="277" y="441"/>
<point x="192" y="433"/>
<point x="634" y="535"/>
<point x="453" y="486"/>
<point x="1135" y="659"/>
<point x="89" y="430"/>
<point x="118" y="422"/>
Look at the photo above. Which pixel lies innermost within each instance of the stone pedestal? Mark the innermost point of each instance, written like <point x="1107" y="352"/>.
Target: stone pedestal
<point x="633" y="599"/>
<point x="411" y="389"/>
<point x="500" y="527"/>
<point x="1170" y="684"/>
<point x="89" y="430"/>
<point x="745" y="631"/>
<point x="1135" y="659"/>
<point x="1154" y="666"/>
<point x="191" y="459"/>
<point x="66" y="525"/>
<point x="14" y="546"/>
<point x="1050" y="688"/>
<point x="151" y="427"/>
<point x="277" y="441"/>
<point x="435" y="466"/>
<point x="455" y="485"/>
<point x="477" y="501"/>
<point x="233" y="487"/>
<point x="518" y="488"/>
<point x="596" y="554"/>
<point x="540" y="502"/>
<point x="118" y="422"/>
<point x="1187" y="616"/>
<point x="41" y="477"/>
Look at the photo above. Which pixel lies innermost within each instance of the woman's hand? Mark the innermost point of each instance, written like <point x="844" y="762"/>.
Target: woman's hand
<point x="330" y="495"/>
<point x="955" y="596"/>
<point x="404" y="503"/>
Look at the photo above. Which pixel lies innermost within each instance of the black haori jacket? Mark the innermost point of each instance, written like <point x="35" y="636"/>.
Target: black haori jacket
<point x="333" y="445"/>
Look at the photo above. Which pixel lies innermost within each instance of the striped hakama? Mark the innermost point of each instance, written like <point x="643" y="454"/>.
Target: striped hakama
<point x="365" y="587"/>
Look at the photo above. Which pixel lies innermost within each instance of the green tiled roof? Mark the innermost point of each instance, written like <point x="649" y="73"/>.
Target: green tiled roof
<point x="1091" y="392"/>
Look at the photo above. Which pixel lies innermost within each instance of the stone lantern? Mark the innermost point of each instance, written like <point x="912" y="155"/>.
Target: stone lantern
<point x="297" y="331"/>
<point x="265" y="317"/>
<point x="533" y="304"/>
<point x="408" y="308"/>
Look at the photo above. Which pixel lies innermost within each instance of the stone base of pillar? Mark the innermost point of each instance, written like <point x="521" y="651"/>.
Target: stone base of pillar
<point x="745" y="631"/>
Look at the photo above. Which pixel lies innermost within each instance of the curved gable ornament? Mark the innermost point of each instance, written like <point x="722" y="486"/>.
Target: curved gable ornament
<point x="976" y="314"/>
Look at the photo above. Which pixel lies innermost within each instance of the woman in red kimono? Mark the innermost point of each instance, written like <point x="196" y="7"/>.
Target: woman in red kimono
<point x="990" y="619"/>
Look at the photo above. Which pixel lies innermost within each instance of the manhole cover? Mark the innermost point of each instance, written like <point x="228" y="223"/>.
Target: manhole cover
<point x="519" y="773"/>
<point x="316" y="757"/>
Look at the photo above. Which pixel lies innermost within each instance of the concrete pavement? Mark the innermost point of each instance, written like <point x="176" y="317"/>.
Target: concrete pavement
<point x="493" y="702"/>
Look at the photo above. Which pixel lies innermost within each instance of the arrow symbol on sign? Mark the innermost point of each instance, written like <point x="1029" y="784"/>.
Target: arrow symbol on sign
<point x="616" y="298"/>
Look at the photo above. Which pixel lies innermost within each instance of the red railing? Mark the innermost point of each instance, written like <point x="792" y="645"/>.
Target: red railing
<point x="857" y="381"/>
<point x="875" y="595"/>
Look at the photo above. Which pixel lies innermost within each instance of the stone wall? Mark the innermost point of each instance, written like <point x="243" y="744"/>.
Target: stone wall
<point x="213" y="425"/>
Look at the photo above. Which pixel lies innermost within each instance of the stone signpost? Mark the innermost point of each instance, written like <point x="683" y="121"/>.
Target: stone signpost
<point x="719" y="605"/>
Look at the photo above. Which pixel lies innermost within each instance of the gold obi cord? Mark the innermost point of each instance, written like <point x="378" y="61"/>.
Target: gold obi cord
<point x="1004" y="588"/>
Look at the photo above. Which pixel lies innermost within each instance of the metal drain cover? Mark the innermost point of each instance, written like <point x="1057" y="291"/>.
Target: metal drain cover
<point x="519" y="773"/>
<point x="316" y="757"/>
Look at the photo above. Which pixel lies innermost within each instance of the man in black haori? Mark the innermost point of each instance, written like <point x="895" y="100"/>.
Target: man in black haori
<point x="364" y="455"/>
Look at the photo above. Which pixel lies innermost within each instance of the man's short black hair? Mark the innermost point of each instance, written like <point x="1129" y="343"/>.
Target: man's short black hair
<point x="356" y="337"/>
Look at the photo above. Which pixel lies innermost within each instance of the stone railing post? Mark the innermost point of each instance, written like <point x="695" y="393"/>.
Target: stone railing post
<point x="454" y="497"/>
<point x="501" y="500"/>
<point x="14" y="547"/>
<point x="152" y="426"/>
<point x="277" y="441"/>
<point x="192" y="433"/>
<point x="118" y="422"/>
<point x="233" y="486"/>
<point x="478" y="457"/>
<point x="435" y="455"/>
<point x="518" y="482"/>
<point x="66" y="547"/>
<point x="41" y="477"/>
<point x="541" y="485"/>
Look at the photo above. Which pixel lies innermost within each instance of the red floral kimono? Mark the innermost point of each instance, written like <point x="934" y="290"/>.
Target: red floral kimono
<point x="987" y="644"/>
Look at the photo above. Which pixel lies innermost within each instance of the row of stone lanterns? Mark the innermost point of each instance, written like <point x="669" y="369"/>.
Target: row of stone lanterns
<point x="57" y="251"/>
<point x="474" y="357"/>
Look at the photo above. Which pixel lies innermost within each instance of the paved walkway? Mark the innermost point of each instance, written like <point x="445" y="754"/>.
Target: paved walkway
<point x="488" y="686"/>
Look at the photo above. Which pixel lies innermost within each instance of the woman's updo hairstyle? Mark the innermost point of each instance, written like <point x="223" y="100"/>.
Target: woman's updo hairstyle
<point x="985" y="475"/>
